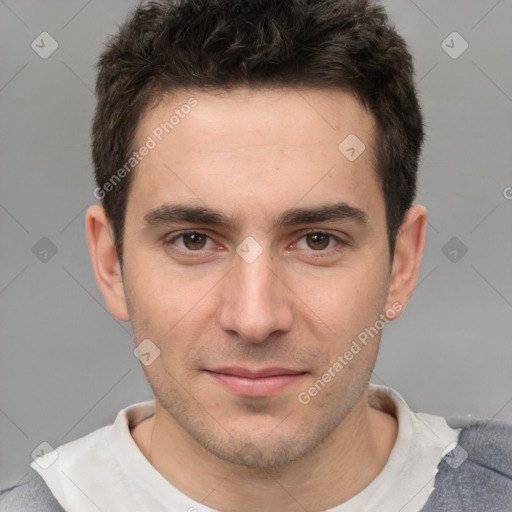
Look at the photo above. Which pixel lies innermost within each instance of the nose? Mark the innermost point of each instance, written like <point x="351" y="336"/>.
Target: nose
<point x="255" y="302"/>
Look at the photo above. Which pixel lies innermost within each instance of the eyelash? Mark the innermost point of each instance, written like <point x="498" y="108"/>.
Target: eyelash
<point x="319" y="253"/>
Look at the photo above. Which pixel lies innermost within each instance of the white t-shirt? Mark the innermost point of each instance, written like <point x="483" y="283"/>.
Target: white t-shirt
<point x="105" y="470"/>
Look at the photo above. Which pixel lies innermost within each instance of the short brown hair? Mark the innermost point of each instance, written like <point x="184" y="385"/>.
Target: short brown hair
<point x="222" y="44"/>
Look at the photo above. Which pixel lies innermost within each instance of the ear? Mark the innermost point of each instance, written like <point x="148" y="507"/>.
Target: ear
<point x="407" y="258"/>
<point x="105" y="262"/>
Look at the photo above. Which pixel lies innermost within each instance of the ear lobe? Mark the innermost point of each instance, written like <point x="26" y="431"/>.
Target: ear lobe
<point x="409" y="246"/>
<point x="100" y="239"/>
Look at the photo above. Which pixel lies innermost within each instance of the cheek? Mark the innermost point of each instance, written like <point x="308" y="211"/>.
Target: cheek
<point x="349" y="298"/>
<point x="162" y="295"/>
<point x="173" y="312"/>
<point x="351" y="310"/>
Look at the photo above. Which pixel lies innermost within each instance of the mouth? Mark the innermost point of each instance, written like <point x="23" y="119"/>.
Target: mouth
<point x="262" y="382"/>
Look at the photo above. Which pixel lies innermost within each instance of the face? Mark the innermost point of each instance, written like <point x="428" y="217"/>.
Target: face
<point x="255" y="254"/>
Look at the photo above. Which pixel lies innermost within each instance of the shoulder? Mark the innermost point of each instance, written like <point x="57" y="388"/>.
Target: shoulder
<point x="29" y="495"/>
<point x="488" y="442"/>
<point x="477" y="473"/>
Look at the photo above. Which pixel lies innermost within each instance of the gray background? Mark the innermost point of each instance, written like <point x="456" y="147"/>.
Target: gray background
<point x="67" y="366"/>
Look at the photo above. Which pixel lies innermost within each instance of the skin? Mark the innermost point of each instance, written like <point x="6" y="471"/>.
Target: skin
<point x="254" y="154"/>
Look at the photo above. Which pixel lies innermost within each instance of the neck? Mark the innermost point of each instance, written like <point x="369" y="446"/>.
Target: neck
<point x="330" y="474"/>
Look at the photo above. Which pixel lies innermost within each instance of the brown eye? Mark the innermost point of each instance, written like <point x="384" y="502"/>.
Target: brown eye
<point x="190" y="241"/>
<point x="318" y="241"/>
<point x="321" y="242"/>
<point x="194" y="241"/>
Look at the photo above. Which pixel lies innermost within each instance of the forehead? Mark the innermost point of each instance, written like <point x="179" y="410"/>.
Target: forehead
<point x="277" y="114"/>
<point x="257" y="148"/>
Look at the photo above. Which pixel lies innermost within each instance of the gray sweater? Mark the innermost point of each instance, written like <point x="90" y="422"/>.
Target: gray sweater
<point x="475" y="477"/>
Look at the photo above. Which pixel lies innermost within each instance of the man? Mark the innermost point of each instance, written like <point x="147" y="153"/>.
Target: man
<point x="256" y="164"/>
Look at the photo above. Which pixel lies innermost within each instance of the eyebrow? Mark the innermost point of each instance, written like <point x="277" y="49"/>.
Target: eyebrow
<point x="176" y="213"/>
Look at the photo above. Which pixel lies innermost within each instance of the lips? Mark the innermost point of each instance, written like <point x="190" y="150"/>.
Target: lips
<point x="252" y="382"/>
<point x="255" y="374"/>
